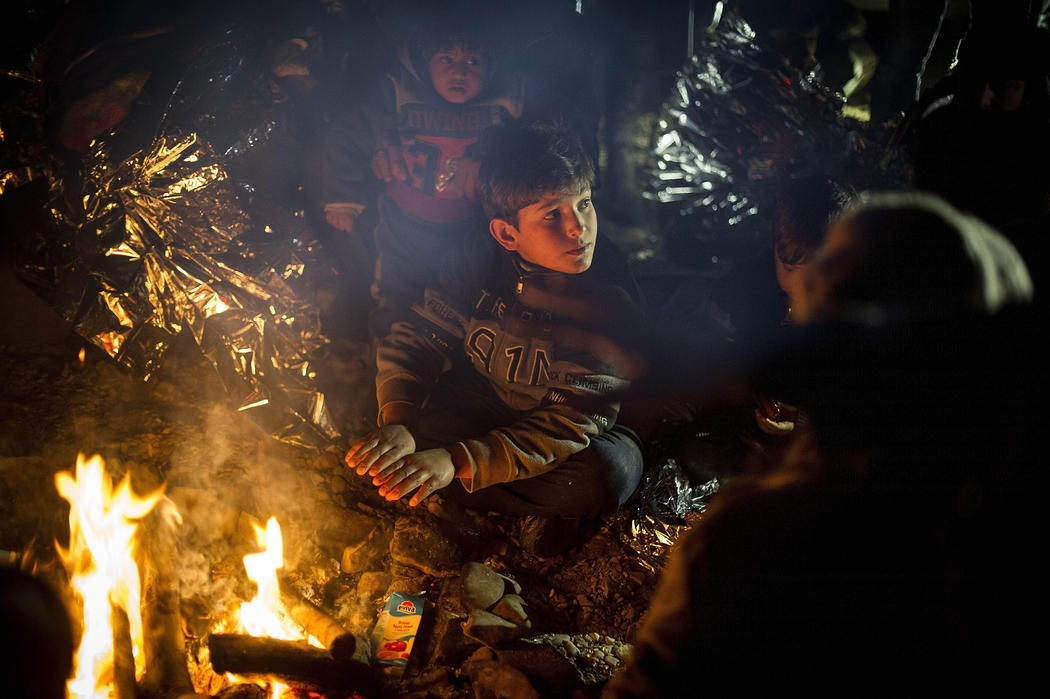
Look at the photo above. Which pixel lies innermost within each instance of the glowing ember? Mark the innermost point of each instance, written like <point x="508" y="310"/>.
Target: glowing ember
<point x="101" y="567"/>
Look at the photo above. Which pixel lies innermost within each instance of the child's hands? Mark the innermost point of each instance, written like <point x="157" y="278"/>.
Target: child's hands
<point x="341" y="220"/>
<point x="380" y="449"/>
<point x="429" y="470"/>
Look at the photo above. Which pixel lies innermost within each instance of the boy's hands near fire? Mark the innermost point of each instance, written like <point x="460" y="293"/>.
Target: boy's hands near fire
<point x="429" y="471"/>
<point x="380" y="449"/>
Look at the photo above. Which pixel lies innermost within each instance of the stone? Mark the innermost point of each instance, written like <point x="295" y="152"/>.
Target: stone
<point x="483" y="653"/>
<point x="348" y="527"/>
<point x="429" y="683"/>
<point x="515" y="588"/>
<point x="362" y="555"/>
<point x="449" y="645"/>
<point x="482" y="586"/>
<point x="409" y="585"/>
<point x="371" y="586"/>
<point x="488" y="629"/>
<point x="512" y="608"/>
<point x="420" y="546"/>
<point x="491" y="679"/>
<point x="541" y="663"/>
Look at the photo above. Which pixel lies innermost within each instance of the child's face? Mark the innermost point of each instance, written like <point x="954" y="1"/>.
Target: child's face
<point x="557" y="232"/>
<point x="457" y="74"/>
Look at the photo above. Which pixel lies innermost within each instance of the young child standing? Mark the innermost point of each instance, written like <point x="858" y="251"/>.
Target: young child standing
<point x="499" y="389"/>
<point x="416" y="133"/>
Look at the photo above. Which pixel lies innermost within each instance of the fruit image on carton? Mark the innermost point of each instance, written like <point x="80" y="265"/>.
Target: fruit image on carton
<point x="396" y="629"/>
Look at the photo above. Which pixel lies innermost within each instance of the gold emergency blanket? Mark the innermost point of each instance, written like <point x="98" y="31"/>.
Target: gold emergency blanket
<point x="169" y="248"/>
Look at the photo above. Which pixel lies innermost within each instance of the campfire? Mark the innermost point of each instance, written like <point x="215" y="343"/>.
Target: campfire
<point x="264" y="640"/>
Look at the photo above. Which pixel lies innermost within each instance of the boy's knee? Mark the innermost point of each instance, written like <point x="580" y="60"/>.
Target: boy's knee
<point x="618" y="456"/>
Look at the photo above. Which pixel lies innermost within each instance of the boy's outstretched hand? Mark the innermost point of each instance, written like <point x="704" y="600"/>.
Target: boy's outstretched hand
<point x="380" y="449"/>
<point x="429" y="470"/>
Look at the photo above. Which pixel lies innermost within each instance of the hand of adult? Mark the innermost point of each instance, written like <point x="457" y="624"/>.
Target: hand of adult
<point x="341" y="220"/>
<point x="465" y="180"/>
<point x="380" y="449"/>
<point x="388" y="163"/>
<point x="423" y="472"/>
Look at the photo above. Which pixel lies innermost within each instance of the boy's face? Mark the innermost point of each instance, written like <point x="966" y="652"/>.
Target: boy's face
<point x="557" y="232"/>
<point x="457" y="74"/>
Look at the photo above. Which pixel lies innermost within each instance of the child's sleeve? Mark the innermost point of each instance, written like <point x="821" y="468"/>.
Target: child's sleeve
<point x="578" y="406"/>
<point x="413" y="356"/>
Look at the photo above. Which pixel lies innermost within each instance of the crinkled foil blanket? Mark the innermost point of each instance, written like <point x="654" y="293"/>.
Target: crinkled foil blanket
<point x="665" y="505"/>
<point x="739" y="120"/>
<point x="161" y="242"/>
<point x="172" y="251"/>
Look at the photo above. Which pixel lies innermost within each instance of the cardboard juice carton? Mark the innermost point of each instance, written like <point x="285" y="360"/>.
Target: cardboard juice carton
<point x="396" y="629"/>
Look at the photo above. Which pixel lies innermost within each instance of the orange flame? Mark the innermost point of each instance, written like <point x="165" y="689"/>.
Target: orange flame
<point x="101" y="568"/>
<point x="264" y="615"/>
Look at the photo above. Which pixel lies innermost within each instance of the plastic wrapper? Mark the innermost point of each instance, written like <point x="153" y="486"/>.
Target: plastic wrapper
<point x="666" y="505"/>
<point x="163" y="239"/>
<point x="741" y="119"/>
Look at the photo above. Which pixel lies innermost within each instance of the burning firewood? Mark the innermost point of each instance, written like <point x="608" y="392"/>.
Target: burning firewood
<point x="123" y="656"/>
<point x="341" y="643"/>
<point x="294" y="661"/>
<point x="162" y="636"/>
<point x="163" y="640"/>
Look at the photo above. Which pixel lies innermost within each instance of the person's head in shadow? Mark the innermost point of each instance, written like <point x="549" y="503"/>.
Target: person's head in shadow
<point x="802" y="209"/>
<point x="908" y="256"/>
<point x="914" y="325"/>
<point x="38" y="638"/>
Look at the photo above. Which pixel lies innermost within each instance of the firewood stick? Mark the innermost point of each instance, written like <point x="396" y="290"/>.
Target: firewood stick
<point x="123" y="656"/>
<point x="340" y="642"/>
<point x="295" y="661"/>
<point x="162" y="637"/>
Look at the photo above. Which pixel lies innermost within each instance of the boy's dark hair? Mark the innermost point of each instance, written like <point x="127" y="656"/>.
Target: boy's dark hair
<point x="521" y="162"/>
<point x="802" y="210"/>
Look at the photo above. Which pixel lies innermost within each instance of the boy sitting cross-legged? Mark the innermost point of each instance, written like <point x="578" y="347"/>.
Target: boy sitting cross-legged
<point x="499" y="389"/>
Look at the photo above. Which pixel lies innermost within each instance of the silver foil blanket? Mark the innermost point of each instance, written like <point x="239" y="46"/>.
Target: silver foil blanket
<point x="169" y="248"/>
<point x="740" y="119"/>
<point x="665" y="506"/>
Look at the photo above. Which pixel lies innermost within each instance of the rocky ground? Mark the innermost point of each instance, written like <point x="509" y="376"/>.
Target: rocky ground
<point x="550" y="627"/>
